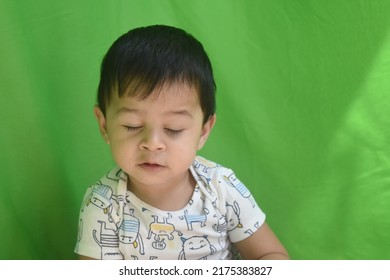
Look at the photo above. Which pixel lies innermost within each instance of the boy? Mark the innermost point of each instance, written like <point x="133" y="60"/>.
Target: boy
<point x="156" y="108"/>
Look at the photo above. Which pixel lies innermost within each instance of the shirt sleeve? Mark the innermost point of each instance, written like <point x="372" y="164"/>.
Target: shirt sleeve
<point x="97" y="236"/>
<point x="243" y="215"/>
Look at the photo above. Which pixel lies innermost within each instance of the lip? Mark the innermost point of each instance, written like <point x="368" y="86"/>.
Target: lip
<point x="151" y="166"/>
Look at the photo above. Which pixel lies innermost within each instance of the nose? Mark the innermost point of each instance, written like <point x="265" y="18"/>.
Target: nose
<point x="151" y="140"/>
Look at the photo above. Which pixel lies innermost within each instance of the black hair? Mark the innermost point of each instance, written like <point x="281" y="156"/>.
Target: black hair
<point x="147" y="58"/>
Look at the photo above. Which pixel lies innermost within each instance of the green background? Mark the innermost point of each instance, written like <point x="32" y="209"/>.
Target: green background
<point x="303" y="115"/>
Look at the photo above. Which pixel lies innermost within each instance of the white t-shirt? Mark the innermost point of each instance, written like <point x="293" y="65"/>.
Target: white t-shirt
<point x="115" y="224"/>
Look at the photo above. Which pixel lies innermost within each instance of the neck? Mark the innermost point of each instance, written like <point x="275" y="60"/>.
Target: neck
<point x="172" y="195"/>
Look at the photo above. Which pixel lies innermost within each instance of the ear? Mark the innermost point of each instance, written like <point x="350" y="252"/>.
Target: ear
<point x="207" y="127"/>
<point x="102" y="123"/>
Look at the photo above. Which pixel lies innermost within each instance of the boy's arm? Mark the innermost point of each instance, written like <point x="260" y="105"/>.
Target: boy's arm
<point x="263" y="244"/>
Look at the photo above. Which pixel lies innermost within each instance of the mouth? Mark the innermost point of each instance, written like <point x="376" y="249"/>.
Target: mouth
<point x="151" y="166"/>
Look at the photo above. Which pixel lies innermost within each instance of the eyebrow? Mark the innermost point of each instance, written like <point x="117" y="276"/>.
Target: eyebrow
<point x="183" y="112"/>
<point x="126" y="110"/>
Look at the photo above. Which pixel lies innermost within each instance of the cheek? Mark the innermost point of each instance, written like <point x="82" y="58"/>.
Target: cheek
<point x="121" y="150"/>
<point x="190" y="143"/>
<point x="199" y="142"/>
<point x="184" y="154"/>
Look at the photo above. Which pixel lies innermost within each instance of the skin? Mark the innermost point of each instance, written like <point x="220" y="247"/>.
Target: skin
<point x="161" y="135"/>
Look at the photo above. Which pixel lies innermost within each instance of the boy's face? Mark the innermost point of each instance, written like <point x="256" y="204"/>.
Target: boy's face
<point x="155" y="140"/>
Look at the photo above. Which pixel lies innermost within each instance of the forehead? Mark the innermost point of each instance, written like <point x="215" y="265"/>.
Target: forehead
<point x="175" y="96"/>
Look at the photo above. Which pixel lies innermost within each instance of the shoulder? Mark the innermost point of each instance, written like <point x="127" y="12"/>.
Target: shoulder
<point x="208" y="168"/>
<point x="218" y="179"/>
<point x="215" y="173"/>
<point x="104" y="199"/>
<point x="112" y="177"/>
<point x="104" y="189"/>
<point x="223" y="182"/>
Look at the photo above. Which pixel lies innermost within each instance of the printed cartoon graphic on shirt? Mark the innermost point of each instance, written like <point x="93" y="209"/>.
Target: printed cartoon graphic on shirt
<point x="203" y="165"/>
<point x="221" y="228"/>
<point x="250" y="231"/>
<point x="108" y="240"/>
<point x="100" y="196"/>
<point x="198" y="246"/>
<point x="233" y="212"/>
<point x="206" y="187"/>
<point x="129" y="232"/>
<point x="233" y="181"/>
<point x="221" y="224"/>
<point x="160" y="230"/>
<point x="190" y="219"/>
<point x="116" y="175"/>
<point x="203" y="182"/>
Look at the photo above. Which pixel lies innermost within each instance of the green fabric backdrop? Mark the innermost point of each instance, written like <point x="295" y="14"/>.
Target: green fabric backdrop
<point x="303" y="115"/>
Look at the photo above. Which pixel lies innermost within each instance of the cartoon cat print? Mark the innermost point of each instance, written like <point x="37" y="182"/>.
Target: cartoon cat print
<point x="198" y="246"/>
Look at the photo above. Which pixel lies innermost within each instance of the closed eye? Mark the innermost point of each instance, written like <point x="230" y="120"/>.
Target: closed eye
<point x="132" y="128"/>
<point x="173" y="132"/>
